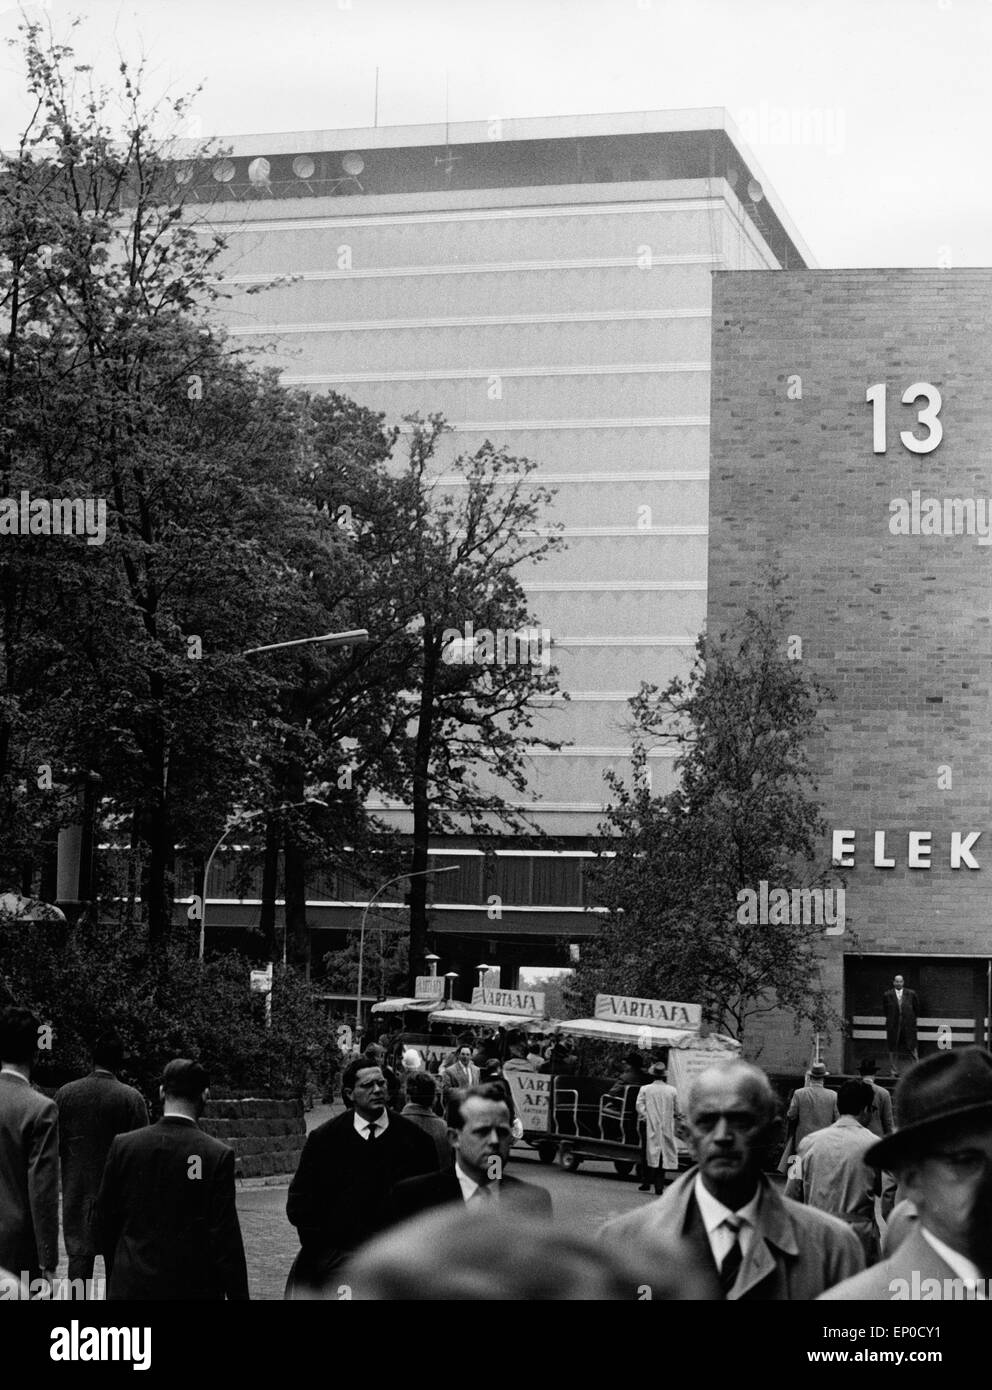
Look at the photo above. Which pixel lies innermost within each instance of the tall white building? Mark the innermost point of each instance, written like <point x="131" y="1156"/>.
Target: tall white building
<point x="546" y="284"/>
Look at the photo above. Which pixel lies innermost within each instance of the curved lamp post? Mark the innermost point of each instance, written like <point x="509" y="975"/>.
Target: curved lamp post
<point x="419" y="873"/>
<point x="235" y="824"/>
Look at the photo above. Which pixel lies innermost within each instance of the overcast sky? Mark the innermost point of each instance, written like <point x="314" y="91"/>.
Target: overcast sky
<point x="870" y="117"/>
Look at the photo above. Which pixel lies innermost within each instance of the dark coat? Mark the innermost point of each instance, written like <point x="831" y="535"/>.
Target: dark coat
<point x="338" y="1195"/>
<point x="417" y="1195"/>
<point x="92" y="1112"/>
<point x="29" y="1178"/>
<point x="893" y="1018"/>
<point x="168" y="1226"/>
<point x="799" y="1251"/>
<point x="433" y="1125"/>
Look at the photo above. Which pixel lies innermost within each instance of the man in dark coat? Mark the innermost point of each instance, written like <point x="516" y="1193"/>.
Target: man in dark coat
<point x="902" y="1008"/>
<point x="481" y="1135"/>
<point x="166" y="1221"/>
<point x="92" y="1112"/>
<point x="29" y="1156"/>
<point x="347" y="1167"/>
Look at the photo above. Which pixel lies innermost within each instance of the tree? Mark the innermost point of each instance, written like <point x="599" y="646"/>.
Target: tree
<point x="124" y="657"/>
<point x="744" y="812"/>
<point x="474" y="689"/>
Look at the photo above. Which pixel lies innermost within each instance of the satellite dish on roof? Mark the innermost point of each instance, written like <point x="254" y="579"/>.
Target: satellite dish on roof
<point x="754" y="191"/>
<point x="353" y="164"/>
<point x="223" y="170"/>
<point x="303" y="166"/>
<point x="259" y="171"/>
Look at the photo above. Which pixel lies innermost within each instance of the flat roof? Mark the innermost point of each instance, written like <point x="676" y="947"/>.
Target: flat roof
<point x="510" y="130"/>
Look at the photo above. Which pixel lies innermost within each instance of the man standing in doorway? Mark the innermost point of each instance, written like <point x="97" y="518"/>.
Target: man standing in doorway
<point x="901" y="1007"/>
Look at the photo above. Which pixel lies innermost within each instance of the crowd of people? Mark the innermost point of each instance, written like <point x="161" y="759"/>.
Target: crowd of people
<point x="394" y="1200"/>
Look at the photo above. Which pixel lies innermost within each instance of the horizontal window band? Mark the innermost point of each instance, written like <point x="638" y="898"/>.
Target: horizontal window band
<point x="488" y="374"/>
<point x="401" y="907"/>
<point x="630" y="531"/>
<point x="591" y="751"/>
<point x="697" y="475"/>
<point x="279" y="279"/>
<point x="964" y="1035"/>
<point x="616" y="586"/>
<point x="645" y="422"/>
<point x="614" y="641"/>
<point x="878" y="1021"/>
<point x="495" y="214"/>
<point x="471" y="321"/>
<point x="592" y="808"/>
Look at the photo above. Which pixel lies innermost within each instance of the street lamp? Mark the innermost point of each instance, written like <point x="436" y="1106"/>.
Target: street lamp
<point x="234" y="824"/>
<point x="419" y="873"/>
<point x="357" y="637"/>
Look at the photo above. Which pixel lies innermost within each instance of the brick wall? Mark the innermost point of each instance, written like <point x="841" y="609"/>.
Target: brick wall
<point x="267" y="1136"/>
<point x="900" y="626"/>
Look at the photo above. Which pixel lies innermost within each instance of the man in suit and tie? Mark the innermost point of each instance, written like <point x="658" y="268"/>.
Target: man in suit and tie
<point x="166" y="1223"/>
<point x="942" y="1156"/>
<point x="901" y="1007"/>
<point x="92" y="1112"/>
<point x="29" y="1156"/>
<point x="758" y="1244"/>
<point x="347" y="1168"/>
<point x="462" y="1073"/>
<point x="481" y="1134"/>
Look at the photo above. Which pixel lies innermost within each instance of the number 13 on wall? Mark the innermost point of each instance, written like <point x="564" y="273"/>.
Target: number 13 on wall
<point x="927" y="417"/>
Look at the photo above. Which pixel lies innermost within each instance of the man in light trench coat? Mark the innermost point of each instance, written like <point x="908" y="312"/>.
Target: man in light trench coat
<point x="657" y="1104"/>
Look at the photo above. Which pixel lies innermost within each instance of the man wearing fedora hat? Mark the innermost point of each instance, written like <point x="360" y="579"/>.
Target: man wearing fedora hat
<point x="941" y="1153"/>
<point x="658" y="1107"/>
<point x="812" y="1107"/>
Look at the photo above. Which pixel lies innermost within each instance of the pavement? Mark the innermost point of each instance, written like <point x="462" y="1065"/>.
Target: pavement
<point x="582" y="1202"/>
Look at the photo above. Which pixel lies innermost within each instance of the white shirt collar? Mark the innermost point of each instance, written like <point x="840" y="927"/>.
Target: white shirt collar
<point x="381" y="1123"/>
<point x="9" y="1071"/>
<point x="962" y="1266"/>
<point x="714" y="1213"/>
<point x="469" y="1186"/>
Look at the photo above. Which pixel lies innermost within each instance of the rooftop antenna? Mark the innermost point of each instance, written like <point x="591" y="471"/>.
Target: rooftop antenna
<point x="449" y="160"/>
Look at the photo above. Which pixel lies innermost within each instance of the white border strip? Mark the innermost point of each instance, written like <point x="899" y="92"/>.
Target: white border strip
<point x="472" y="321"/>
<point x="409" y="219"/>
<point x="278" y="279"/>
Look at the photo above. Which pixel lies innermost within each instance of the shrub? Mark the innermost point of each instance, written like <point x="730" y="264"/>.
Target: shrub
<point x="85" y="979"/>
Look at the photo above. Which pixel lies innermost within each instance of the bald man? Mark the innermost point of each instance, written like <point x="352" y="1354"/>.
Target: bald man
<point x="759" y="1245"/>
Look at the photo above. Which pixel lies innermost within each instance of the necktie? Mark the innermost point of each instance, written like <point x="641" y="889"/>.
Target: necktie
<point x="732" y="1260"/>
<point x="371" y="1132"/>
<point x="482" y="1196"/>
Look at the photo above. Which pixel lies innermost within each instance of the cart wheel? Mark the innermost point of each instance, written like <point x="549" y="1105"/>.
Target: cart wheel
<point x="568" y="1159"/>
<point x="546" y="1152"/>
<point x="623" y="1167"/>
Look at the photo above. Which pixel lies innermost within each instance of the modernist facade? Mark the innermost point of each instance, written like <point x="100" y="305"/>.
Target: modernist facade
<point x="851" y="433"/>
<point x="546" y="284"/>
